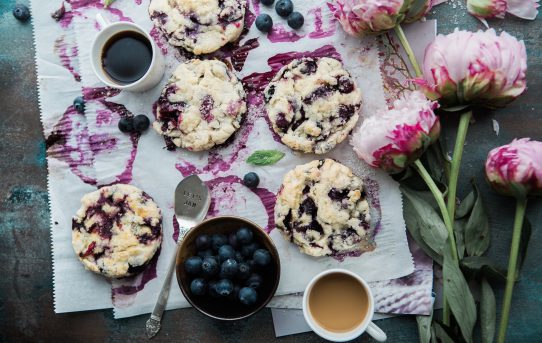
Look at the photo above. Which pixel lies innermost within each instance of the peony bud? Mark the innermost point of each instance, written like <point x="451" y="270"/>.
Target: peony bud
<point x="526" y="9"/>
<point x="516" y="168"/>
<point x="362" y="17"/>
<point x="393" y="139"/>
<point x="466" y="68"/>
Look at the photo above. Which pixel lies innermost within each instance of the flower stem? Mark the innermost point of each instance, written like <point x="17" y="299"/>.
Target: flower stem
<point x="521" y="204"/>
<point x="408" y="49"/>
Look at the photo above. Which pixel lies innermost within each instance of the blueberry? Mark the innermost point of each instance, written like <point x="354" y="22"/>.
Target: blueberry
<point x="229" y="268"/>
<point x="225" y="252"/>
<point x="296" y="20"/>
<point x="251" y="180"/>
<point x="251" y="264"/>
<point x="21" y="12"/>
<point x="218" y="240"/>
<point x="262" y="257"/>
<point x="232" y="240"/>
<point x="248" y="296"/>
<point x="205" y="253"/>
<point x="193" y="265"/>
<point x="203" y="242"/>
<point x="254" y="281"/>
<point x="244" y="271"/>
<point x="267" y="2"/>
<point x="198" y="286"/>
<point x="79" y="104"/>
<point x="239" y="257"/>
<point x="126" y="124"/>
<point x="284" y="7"/>
<point x="141" y="123"/>
<point x="248" y="249"/>
<point x="244" y="235"/>
<point x="264" y="23"/>
<point x="211" y="289"/>
<point x="224" y="287"/>
<point x="209" y="266"/>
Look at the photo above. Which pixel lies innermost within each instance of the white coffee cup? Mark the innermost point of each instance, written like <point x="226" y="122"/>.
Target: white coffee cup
<point x="365" y="326"/>
<point x="152" y="76"/>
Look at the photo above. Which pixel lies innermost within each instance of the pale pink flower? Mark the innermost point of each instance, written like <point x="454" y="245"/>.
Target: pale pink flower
<point x="525" y="9"/>
<point x="516" y="168"/>
<point x="393" y="139"/>
<point x="481" y="68"/>
<point x="362" y="17"/>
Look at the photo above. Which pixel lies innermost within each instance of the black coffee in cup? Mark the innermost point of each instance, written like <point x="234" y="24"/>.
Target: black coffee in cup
<point x="126" y="57"/>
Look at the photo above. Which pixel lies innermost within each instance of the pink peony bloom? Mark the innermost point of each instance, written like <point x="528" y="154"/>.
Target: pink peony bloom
<point x="362" y="17"/>
<point x="393" y="139"/>
<point x="516" y="168"/>
<point x="466" y="68"/>
<point x="525" y="9"/>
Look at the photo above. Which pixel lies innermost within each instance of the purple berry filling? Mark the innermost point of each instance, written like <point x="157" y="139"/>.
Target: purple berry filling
<point x="309" y="67"/>
<point x="338" y="195"/>
<point x="346" y="111"/>
<point x="346" y="85"/>
<point x="159" y="16"/>
<point x="308" y="206"/>
<point x="206" y="107"/>
<point x="318" y="93"/>
<point x="282" y="122"/>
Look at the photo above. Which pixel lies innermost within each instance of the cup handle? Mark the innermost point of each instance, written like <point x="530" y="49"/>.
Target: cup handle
<point x="376" y="332"/>
<point x="102" y="21"/>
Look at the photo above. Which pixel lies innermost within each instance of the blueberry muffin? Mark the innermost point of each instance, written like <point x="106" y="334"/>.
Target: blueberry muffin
<point x="202" y="105"/>
<point x="321" y="207"/>
<point x="117" y="230"/>
<point x="313" y="104"/>
<point x="199" y="26"/>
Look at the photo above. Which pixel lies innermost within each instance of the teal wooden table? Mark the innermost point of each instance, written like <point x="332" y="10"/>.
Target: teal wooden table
<point x="26" y="290"/>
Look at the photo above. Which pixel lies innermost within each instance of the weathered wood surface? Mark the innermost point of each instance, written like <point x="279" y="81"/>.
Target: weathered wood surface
<point x="26" y="295"/>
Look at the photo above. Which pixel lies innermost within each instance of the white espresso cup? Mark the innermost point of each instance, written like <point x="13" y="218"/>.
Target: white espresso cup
<point x="107" y="30"/>
<point x="366" y="325"/>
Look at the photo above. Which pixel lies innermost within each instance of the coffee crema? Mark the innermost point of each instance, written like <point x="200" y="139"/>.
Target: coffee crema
<point x="126" y="57"/>
<point x="338" y="302"/>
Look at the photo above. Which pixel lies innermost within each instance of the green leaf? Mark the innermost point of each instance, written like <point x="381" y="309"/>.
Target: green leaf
<point x="424" y="327"/>
<point x="431" y="226"/>
<point x="265" y="157"/>
<point x="411" y="220"/>
<point x="477" y="229"/>
<point x="466" y="205"/>
<point x="436" y="162"/>
<point x="455" y="108"/>
<point x="441" y="334"/>
<point x="482" y="266"/>
<point x="459" y="233"/>
<point x="458" y="294"/>
<point x="488" y="312"/>
<point x="526" y="231"/>
<point x="108" y="3"/>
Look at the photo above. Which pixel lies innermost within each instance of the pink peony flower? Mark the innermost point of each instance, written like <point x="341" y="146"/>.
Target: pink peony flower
<point x="525" y="9"/>
<point x="516" y="168"/>
<point x="362" y="17"/>
<point x="466" y="68"/>
<point x="393" y="139"/>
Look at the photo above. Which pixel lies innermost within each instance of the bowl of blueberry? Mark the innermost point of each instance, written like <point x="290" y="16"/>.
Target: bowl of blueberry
<point x="228" y="268"/>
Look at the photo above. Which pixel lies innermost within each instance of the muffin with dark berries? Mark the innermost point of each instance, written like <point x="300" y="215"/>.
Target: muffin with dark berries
<point x="117" y="230"/>
<point x="322" y="208"/>
<point x="313" y="104"/>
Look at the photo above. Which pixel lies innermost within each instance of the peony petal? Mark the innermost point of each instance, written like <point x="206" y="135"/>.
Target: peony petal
<point x="525" y="9"/>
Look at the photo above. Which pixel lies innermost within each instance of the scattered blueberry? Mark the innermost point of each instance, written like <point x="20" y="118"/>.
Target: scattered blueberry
<point x="264" y="23"/>
<point x="141" y="123"/>
<point x="244" y="271"/>
<point x="254" y="281"/>
<point x="284" y="7"/>
<point x="267" y="2"/>
<point x="248" y="296"/>
<point x="225" y="252"/>
<point x="209" y="266"/>
<point x="126" y="124"/>
<point x="21" y="12"/>
<point x="262" y="257"/>
<point x="79" y="104"/>
<point x="211" y="289"/>
<point x="203" y="242"/>
<point x="193" y="265"/>
<point x="251" y="180"/>
<point x="218" y="240"/>
<point x="244" y="235"/>
<point x="198" y="286"/>
<point x="232" y="240"/>
<point x="229" y="268"/>
<point x="248" y="249"/>
<point x="205" y="253"/>
<point x="296" y="20"/>
<point x="224" y="287"/>
<point x="239" y="257"/>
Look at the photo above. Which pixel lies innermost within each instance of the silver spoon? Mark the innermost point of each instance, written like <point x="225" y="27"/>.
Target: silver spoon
<point x="192" y="201"/>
